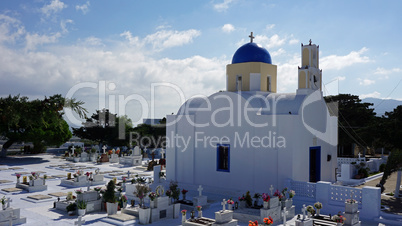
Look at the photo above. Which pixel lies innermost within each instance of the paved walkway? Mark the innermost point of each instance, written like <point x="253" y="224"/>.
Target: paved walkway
<point x="394" y="204"/>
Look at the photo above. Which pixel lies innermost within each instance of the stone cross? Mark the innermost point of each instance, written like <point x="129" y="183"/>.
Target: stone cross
<point x="200" y="190"/>
<point x="8" y="202"/>
<point x="304" y="211"/>
<point x="271" y="189"/>
<point x="80" y="221"/>
<point x="128" y="174"/>
<point x="223" y="203"/>
<point x="359" y="155"/>
<point x="310" y="41"/>
<point x="284" y="213"/>
<point x="104" y="149"/>
<point x="97" y="171"/>
<point x="72" y="149"/>
<point x="251" y="37"/>
<point x="11" y="218"/>
<point x="162" y="153"/>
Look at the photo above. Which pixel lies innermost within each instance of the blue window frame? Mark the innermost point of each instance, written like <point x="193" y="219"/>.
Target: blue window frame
<point x="223" y="157"/>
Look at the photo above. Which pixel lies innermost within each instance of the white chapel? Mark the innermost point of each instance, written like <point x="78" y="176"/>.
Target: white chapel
<point x="250" y="137"/>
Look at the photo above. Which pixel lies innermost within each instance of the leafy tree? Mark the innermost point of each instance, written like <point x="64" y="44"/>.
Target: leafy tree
<point x="104" y="126"/>
<point x="389" y="130"/>
<point x="152" y="136"/>
<point x="355" y="120"/>
<point x="394" y="163"/>
<point x="36" y="121"/>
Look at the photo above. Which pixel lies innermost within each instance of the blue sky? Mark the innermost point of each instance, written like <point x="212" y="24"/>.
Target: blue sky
<point x="138" y="48"/>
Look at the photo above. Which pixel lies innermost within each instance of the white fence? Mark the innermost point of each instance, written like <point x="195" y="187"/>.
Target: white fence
<point x="369" y="198"/>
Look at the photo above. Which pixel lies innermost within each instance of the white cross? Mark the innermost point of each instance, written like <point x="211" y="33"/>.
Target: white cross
<point x="351" y="194"/>
<point x="359" y="155"/>
<point x="11" y="218"/>
<point x="104" y="149"/>
<point x="162" y="153"/>
<point x="80" y="221"/>
<point x="304" y="211"/>
<point x="200" y="190"/>
<point x="128" y="173"/>
<point x="72" y="149"/>
<point x="223" y="203"/>
<point x="271" y="189"/>
<point x="284" y="213"/>
<point x="251" y="37"/>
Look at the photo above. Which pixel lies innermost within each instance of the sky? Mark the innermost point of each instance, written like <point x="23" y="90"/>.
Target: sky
<point x="143" y="59"/>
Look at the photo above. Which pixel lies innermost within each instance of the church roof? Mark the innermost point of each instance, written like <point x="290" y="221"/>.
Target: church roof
<point x="286" y="103"/>
<point x="251" y="52"/>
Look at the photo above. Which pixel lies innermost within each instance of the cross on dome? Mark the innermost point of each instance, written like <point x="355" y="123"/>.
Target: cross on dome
<point x="251" y="37"/>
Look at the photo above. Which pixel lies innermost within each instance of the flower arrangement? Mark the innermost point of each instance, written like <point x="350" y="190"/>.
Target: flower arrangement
<point x="33" y="173"/>
<point x="230" y="201"/>
<point x="124" y="198"/>
<point x="338" y="218"/>
<point x="79" y="191"/>
<point x="291" y="194"/>
<point x="318" y="205"/>
<point x="184" y="191"/>
<point x="88" y="174"/>
<point x="18" y="175"/>
<point x="142" y="190"/>
<point x="152" y="196"/>
<point x="97" y="189"/>
<point x="69" y="195"/>
<point x="268" y="220"/>
<point x="31" y="177"/>
<point x="118" y="151"/>
<point x="311" y="209"/>
<point x="199" y="208"/>
<point x="251" y="223"/>
<point x="124" y="179"/>
<point x="351" y="201"/>
<point x="279" y="195"/>
<point x="242" y="198"/>
<point x="284" y="191"/>
<point x="110" y="152"/>
<point x="184" y="212"/>
<point x="265" y="197"/>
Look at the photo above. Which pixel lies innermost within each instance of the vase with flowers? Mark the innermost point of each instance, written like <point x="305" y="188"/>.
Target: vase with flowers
<point x="18" y="177"/>
<point x="351" y="206"/>
<point x="183" y="216"/>
<point x="339" y="219"/>
<point x="230" y="204"/>
<point x="199" y="209"/>
<point x="184" y="192"/>
<point x="266" y="198"/>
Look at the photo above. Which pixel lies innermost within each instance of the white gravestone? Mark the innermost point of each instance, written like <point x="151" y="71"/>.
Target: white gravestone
<point x="200" y="200"/>
<point x="284" y="213"/>
<point x="104" y="149"/>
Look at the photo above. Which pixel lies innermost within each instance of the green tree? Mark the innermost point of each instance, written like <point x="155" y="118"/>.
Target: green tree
<point x="152" y="136"/>
<point x="355" y="120"/>
<point x="37" y="121"/>
<point x="105" y="127"/>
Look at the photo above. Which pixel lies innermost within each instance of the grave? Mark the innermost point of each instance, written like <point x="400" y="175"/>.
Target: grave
<point x="200" y="200"/>
<point x="12" y="190"/>
<point x="304" y="221"/>
<point x="92" y="198"/>
<point x="223" y="217"/>
<point x="34" y="185"/>
<point x="83" y="181"/>
<point x="11" y="216"/>
<point x="135" y="159"/>
<point x="39" y="197"/>
<point x="352" y="214"/>
<point x="104" y="158"/>
<point x="84" y="157"/>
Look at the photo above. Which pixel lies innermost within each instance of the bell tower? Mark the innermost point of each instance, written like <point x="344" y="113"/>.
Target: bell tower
<point x="310" y="76"/>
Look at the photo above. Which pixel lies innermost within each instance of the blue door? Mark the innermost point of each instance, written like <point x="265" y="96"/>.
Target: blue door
<point x="315" y="164"/>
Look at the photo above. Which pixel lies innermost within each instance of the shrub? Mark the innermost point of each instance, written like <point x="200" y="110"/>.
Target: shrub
<point x="382" y="167"/>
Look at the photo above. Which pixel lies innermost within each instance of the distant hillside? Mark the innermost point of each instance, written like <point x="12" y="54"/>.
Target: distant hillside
<point x="386" y="105"/>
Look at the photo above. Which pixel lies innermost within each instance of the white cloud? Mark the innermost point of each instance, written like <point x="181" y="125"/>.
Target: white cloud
<point x="269" y="26"/>
<point x="32" y="40"/>
<point x="293" y="41"/>
<point x="227" y="28"/>
<point x="270" y="42"/>
<point x="366" y="82"/>
<point x="163" y="39"/>
<point x="374" y="94"/>
<point x="54" y="7"/>
<point x="220" y="7"/>
<point x="278" y="52"/>
<point x="287" y="74"/>
<point x="10" y="29"/>
<point x="334" y="62"/>
<point x="83" y="8"/>
<point x="383" y="71"/>
<point x="63" y="25"/>
<point x="341" y="78"/>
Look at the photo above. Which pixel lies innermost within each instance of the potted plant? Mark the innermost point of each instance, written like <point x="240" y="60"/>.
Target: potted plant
<point x="123" y="201"/>
<point x="175" y="193"/>
<point x="141" y="192"/>
<point x="82" y="206"/>
<point x="249" y="200"/>
<point x="184" y="192"/>
<point x="318" y="206"/>
<point x="265" y="198"/>
<point x="256" y="197"/>
<point x="71" y="208"/>
<point x="310" y="211"/>
<point x="110" y="198"/>
<point x="199" y="209"/>
<point x="183" y="216"/>
<point x="242" y="201"/>
<point x="18" y="177"/>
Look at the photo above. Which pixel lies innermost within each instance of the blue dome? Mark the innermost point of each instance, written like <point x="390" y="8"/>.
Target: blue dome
<point x="251" y="52"/>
